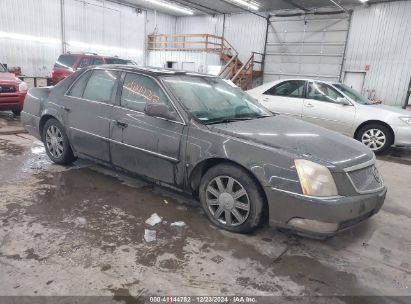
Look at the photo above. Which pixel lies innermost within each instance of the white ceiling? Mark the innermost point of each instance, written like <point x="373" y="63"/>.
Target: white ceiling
<point x="225" y="6"/>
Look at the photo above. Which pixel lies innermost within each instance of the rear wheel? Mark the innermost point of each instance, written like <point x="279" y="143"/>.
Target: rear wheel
<point x="377" y="137"/>
<point x="17" y="112"/>
<point x="56" y="143"/>
<point x="231" y="198"/>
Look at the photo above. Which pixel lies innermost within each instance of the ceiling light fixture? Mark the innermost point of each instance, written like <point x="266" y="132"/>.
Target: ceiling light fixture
<point x="363" y="1"/>
<point x="171" y="6"/>
<point x="250" y="5"/>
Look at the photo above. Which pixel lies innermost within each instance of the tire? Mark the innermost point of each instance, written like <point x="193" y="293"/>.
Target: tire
<point x="237" y="204"/>
<point x="375" y="136"/>
<point x="56" y="143"/>
<point x="17" y="112"/>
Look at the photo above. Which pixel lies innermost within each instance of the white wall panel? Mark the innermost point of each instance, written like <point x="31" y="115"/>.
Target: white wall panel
<point x="37" y="19"/>
<point x="105" y="28"/>
<point x="380" y="36"/>
<point x="160" y="23"/>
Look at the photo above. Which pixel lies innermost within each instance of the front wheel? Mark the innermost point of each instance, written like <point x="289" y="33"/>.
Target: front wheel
<point x="376" y="137"/>
<point x="231" y="198"/>
<point x="56" y="143"/>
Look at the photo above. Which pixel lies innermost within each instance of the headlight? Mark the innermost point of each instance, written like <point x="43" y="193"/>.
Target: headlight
<point x="315" y="179"/>
<point x="406" y="119"/>
<point x="23" y="87"/>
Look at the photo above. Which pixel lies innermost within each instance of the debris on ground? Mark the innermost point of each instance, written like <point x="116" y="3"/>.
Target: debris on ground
<point x="166" y="202"/>
<point x="153" y="220"/>
<point x="150" y="235"/>
<point x="178" y="224"/>
<point x="81" y="221"/>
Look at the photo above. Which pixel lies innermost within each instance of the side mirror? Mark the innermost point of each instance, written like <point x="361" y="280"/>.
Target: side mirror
<point x="343" y="101"/>
<point x="159" y="110"/>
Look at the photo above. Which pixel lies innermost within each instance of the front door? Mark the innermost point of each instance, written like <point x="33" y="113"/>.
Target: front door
<point x="285" y="98"/>
<point x="321" y="107"/>
<point x="87" y="107"/>
<point x="148" y="146"/>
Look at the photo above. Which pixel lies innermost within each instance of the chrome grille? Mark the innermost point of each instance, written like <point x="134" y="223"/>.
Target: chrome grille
<point x="7" y="89"/>
<point x="366" y="179"/>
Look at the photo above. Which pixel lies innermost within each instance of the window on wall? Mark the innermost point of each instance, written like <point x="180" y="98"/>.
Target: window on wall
<point x="140" y="89"/>
<point x="100" y="86"/>
<point x="292" y="88"/>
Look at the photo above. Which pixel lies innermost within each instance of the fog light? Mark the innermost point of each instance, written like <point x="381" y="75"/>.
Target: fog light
<point x="313" y="226"/>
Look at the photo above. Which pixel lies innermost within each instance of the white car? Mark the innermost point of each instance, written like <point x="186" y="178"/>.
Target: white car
<point x="338" y="107"/>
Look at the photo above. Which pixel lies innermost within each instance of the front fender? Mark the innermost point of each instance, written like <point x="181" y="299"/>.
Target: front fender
<point x="271" y="167"/>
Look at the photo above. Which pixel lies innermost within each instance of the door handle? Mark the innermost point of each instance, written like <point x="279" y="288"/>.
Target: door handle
<point x="66" y="109"/>
<point x="122" y="125"/>
<point x="309" y="105"/>
<point x="265" y="99"/>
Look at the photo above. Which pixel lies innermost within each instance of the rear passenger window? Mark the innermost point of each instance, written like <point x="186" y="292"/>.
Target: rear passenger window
<point x="65" y="61"/>
<point x="78" y="88"/>
<point x="293" y="88"/>
<point x="100" y="86"/>
<point x="85" y="62"/>
<point x="138" y="90"/>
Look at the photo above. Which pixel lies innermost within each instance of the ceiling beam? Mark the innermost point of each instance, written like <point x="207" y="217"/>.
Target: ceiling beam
<point x="291" y="2"/>
<point x="243" y="9"/>
<point x="198" y="6"/>
<point x="340" y="6"/>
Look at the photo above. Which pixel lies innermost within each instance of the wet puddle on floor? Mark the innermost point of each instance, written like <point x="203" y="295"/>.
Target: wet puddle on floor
<point x="85" y="208"/>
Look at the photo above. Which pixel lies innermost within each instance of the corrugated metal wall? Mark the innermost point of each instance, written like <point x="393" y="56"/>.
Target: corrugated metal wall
<point x="90" y="26"/>
<point x="27" y="17"/>
<point x="380" y="36"/>
<point x="106" y="28"/>
<point x="306" y="46"/>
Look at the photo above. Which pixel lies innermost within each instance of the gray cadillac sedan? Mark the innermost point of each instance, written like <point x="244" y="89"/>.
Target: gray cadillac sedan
<point x="202" y="135"/>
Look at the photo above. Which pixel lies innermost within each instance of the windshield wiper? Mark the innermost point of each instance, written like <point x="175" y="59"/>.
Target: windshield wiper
<point x="229" y="119"/>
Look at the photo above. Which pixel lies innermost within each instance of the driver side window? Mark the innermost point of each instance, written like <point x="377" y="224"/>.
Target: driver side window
<point x="292" y="88"/>
<point x="322" y="92"/>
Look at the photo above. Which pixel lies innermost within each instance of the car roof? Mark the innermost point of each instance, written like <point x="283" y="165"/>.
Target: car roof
<point x="152" y="71"/>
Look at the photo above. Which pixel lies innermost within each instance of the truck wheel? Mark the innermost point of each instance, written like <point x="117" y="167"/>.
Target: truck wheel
<point x="56" y="143"/>
<point x="231" y="198"/>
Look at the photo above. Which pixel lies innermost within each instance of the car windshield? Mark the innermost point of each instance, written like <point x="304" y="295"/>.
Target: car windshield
<point x="353" y="94"/>
<point x="2" y="69"/>
<point x="213" y="100"/>
<point x="119" y="61"/>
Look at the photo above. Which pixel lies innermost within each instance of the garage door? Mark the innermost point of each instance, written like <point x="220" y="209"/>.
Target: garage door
<point x="309" y="47"/>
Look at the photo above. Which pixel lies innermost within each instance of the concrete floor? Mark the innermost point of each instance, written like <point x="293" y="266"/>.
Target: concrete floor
<point x="79" y="231"/>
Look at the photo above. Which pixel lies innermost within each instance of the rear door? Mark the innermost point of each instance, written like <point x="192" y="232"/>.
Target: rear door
<point x="88" y="106"/>
<point x="322" y="108"/>
<point x="285" y="98"/>
<point x="148" y="146"/>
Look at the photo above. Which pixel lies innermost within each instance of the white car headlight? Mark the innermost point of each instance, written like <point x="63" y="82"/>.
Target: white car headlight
<point x="23" y="86"/>
<point x="315" y="179"/>
<point x="406" y="119"/>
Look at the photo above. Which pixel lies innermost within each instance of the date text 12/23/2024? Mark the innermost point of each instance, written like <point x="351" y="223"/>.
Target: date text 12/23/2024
<point x="202" y="299"/>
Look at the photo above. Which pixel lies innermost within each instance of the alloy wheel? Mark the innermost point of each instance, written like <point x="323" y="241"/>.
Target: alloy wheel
<point x="54" y="141"/>
<point x="227" y="201"/>
<point x="374" y="139"/>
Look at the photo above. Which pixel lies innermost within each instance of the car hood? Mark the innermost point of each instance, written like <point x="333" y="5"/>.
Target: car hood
<point x="301" y="138"/>
<point x="8" y="78"/>
<point x="391" y="109"/>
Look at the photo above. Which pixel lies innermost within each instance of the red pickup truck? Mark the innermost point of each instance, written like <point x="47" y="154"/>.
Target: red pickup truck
<point x="12" y="92"/>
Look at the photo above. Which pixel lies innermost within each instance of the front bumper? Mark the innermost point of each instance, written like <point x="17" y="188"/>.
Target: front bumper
<point x="402" y="136"/>
<point x="321" y="217"/>
<point x="12" y="101"/>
